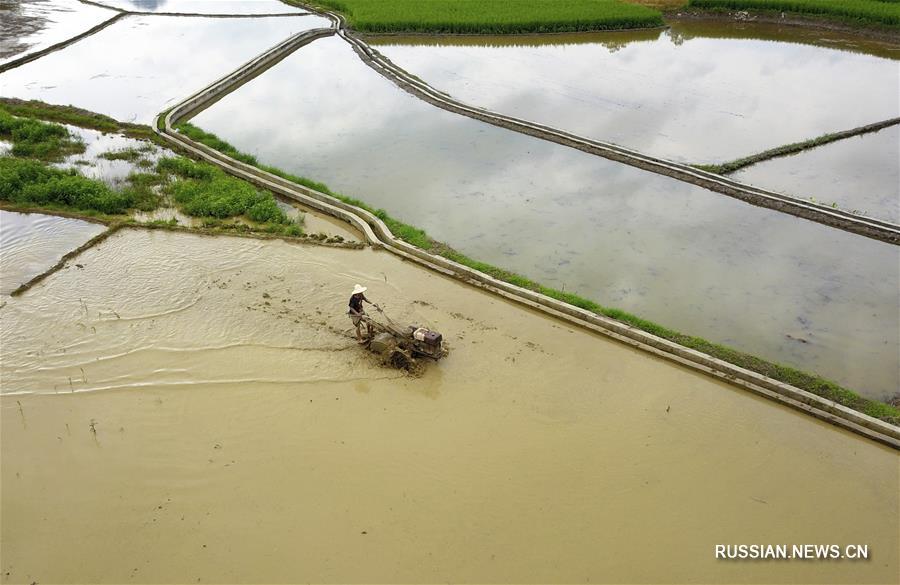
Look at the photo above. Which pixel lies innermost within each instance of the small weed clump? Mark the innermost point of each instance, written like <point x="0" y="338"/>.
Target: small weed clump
<point x="36" y="139"/>
<point x="31" y="182"/>
<point x="205" y="191"/>
<point x="127" y="154"/>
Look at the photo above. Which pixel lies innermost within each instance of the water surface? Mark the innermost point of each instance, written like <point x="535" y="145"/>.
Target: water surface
<point x="218" y="411"/>
<point x="790" y="290"/>
<point x="113" y="171"/>
<point x="204" y="6"/>
<point x="137" y="67"/>
<point x="692" y="93"/>
<point x="33" y="25"/>
<point x="860" y="174"/>
<point x="32" y="243"/>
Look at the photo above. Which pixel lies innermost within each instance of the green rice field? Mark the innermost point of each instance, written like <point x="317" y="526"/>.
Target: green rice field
<point x="493" y="16"/>
<point x="885" y="12"/>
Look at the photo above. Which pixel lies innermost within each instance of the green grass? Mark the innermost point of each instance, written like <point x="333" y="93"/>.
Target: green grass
<point x="132" y="155"/>
<point x="199" y="189"/>
<point x="33" y="183"/>
<point x="885" y="12"/>
<point x="492" y="16"/>
<point x="214" y="142"/>
<point x="779" y="151"/>
<point x="76" y="117"/>
<point x="788" y="149"/>
<point x="36" y="139"/>
<point x="419" y="238"/>
<point x="61" y="114"/>
<point x="206" y="191"/>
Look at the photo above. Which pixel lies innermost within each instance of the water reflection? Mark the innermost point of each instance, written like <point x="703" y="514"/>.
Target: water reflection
<point x="113" y="171"/>
<point x="788" y="289"/>
<point x="693" y="93"/>
<point x="860" y="174"/>
<point x="37" y="24"/>
<point x="32" y="243"/>
<point x="140" y="65"/>
<point x="204" y="6"/>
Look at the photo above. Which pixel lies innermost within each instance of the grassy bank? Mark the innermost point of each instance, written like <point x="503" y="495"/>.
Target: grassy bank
<point x="76" y="117"/>
<point x="789" y="149"/>
<point x="32" y="183"/>
<point x="28" y="181"/>
<point x="864" y="12"/>
<point x="492" y="16"/>
<point x="35" y="139"/>
<point x="419" y="238"/>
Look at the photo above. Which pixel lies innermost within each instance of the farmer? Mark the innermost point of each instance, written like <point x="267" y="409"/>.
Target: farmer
<point x="356" y="311"/>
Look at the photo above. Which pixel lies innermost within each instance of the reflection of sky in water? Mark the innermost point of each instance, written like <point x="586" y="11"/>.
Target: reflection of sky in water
<point x="860" y="173"/>
<point x="91" y="164"/>
<point x="37" y="24"/>
<point x="695" y="100"/>
<point x="140" y="65"/>
<point x="32" y="243"/>
<point x="672" y="252"/>
<point x="204" y="6"/>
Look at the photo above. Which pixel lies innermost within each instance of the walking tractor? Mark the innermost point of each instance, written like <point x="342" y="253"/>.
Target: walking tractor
<point x="402" y="346"/>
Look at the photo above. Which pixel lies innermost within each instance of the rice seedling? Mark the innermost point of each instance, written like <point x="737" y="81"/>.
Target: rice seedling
<point x="493" y="16"/>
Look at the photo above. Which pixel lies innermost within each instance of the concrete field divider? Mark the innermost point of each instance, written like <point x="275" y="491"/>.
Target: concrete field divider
<point x="377" y="234"/>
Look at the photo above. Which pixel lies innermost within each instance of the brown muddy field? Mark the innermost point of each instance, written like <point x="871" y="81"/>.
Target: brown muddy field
<point x="193" y="409"/>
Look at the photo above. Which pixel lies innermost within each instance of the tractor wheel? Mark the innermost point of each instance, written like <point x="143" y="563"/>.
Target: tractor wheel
<point x="401" y="360"/>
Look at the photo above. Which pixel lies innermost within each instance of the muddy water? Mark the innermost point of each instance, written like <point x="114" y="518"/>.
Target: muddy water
<point x="693" y="93"/>
<point x="860" y="174"/>
<point x="204" y="6"/>
<point x="241" y="437"/>
<point x="33" y="25"/>
<point x="32" y="243"/>
<point x="315" y="222"/>
<point x="790" y="290"/>
<point x="140" y="65"/>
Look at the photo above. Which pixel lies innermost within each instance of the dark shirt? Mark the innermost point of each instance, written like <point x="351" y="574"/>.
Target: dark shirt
<point x="356" y="302"/>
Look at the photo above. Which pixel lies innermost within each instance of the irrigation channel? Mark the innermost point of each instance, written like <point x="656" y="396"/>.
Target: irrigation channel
<point x="164" y="383"/>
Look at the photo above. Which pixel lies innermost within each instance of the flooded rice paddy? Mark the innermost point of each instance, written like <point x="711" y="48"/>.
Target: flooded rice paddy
<point x="32" y="243"/>
<point x="99" y="159"/>
<point x="208" y="388"/>
<point x="689" y="93"/>
<point x="861" y="174"/>
<point x="32" y="25"/>
<point x="204" y="6"/>
<point x="140" y="65"/>
<point x="789" y="290"/>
